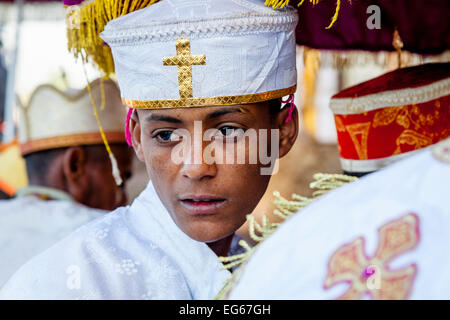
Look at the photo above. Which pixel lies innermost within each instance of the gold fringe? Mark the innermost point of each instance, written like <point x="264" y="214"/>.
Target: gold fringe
<point x="91" y="18"/>
<point x="336" y="14"/>
<point x="279" y="4"/>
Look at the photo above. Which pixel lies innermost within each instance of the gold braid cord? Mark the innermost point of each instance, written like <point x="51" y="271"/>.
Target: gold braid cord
<point x="323" y="182"/>
<point x="86" y="21"/>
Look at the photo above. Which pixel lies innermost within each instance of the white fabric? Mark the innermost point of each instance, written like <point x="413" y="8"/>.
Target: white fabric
<point x="134" y="252"/>
<point x="353" y="165"/>
<point x="391" y="98"/>
<point x="249" y="48"/>
<point x="293" y="263"/>
<point x="29" y="225"/>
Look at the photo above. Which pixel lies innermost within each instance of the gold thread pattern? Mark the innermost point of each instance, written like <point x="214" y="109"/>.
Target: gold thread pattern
<point x="363" y="130"/>
<point x="414" y="138"/>
<point x="208" y="101"/>
<point x="339" y="124"/>
<point x="385" y="117"/>
<point x="184" y="61"/>
<point x="350" y="264"/>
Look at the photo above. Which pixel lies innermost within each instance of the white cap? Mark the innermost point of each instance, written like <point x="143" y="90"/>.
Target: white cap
<point x="178" y="53"/>
<point x="54" y="119"/>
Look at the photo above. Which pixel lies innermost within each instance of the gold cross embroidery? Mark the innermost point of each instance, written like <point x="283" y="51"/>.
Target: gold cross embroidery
<point x="350" y="263"/>
<point x="184" y="61"/>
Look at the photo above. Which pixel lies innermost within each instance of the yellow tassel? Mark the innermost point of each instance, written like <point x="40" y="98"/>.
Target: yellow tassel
<point x="336" y="14"/>
<point x="114" y="166"/>
<point x="102" y="91"/>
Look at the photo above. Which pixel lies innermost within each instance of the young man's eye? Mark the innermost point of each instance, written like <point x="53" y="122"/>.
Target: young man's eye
<point x="230" y="132"/>
<point x="227" y="130"/>
<point x="164" y="136"/>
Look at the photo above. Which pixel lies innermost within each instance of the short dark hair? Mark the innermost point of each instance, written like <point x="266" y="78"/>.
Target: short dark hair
<point x="274" y="107"/>
<point x="38" y="163"/>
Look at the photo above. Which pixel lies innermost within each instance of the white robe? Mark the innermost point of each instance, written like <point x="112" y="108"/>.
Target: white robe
<point x="134" y="252"/>
<point x="29" y="225"/>
<point x="295" y="261"/>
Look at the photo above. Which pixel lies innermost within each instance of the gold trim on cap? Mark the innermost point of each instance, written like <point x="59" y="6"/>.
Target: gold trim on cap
<point x="208" y="101"/>
<point x="70" y="140"/>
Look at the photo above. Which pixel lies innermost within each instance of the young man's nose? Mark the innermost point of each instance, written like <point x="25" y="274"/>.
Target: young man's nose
<point x="198" y="171"/>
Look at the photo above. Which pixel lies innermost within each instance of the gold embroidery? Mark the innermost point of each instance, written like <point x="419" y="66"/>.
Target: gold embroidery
<point x="184" y="61"/>
<point x="363" y="130"/>
<point x="402" y="119"/>
<point x="385" y="117"/>
<point x="414" y="138"/>
<point x="339" y="124"/>
<point x="208" y="101"/>
<point x="350" y="264"/>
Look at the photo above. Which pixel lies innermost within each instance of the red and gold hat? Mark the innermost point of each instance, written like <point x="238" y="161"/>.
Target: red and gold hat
<point x="387" y="118"/>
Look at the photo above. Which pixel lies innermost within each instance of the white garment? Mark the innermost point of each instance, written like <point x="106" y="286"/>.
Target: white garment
<point x="134" y="252"/>
<point x="295" y="261"/>
<point x="29" y="225"/>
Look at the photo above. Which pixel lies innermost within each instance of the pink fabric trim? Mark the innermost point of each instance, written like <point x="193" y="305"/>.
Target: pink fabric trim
<point x="127" y="127"/>
<point x="289" y="100"/>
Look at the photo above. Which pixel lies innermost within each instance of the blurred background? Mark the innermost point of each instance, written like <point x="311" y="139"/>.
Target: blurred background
<point x="33" y="51"/>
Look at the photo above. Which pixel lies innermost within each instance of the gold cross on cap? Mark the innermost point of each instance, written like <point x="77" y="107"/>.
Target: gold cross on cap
<point x="184" y="61"/>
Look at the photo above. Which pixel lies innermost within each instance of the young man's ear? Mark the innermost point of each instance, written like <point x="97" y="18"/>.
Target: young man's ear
<point x="74" y="169"/>
<point x="288" y="130"/>
<point x="135" y="128"/>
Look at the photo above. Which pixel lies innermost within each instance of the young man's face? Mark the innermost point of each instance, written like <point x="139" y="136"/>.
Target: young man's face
<point x="208" y="200"/>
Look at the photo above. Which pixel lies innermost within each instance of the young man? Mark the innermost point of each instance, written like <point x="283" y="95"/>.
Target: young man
<point x="206" y="78"/>
<point x="68" y="171"/>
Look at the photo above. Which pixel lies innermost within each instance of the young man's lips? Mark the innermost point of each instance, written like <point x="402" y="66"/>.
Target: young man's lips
<point x="202" y="204"/>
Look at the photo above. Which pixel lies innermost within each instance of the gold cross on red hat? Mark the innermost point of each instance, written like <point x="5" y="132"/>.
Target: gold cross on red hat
<point x="184" y="61"/>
